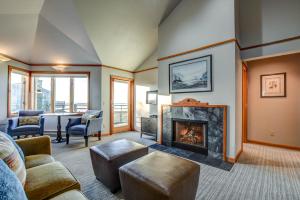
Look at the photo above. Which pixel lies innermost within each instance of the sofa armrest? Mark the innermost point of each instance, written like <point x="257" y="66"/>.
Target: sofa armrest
<point x="35" y="145"/>
<point x="13" y="123"/>
<point x="94" y="126"/>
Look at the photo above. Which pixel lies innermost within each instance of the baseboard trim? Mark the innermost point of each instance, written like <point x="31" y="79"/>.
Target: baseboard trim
<point x="274" y="145"/>
<point x="236" y="158"/>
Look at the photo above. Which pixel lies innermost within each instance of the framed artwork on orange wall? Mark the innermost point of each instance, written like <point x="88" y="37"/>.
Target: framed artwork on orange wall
<point x="273" y="85"/>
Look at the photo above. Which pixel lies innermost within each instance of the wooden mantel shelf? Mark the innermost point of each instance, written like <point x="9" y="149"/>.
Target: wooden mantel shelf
<point x="190" y="102"/>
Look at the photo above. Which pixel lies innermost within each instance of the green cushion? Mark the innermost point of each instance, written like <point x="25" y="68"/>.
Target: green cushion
<point x="49" y="180"/>
<point x="37" y="160"/>
<point x="70" y="195"/>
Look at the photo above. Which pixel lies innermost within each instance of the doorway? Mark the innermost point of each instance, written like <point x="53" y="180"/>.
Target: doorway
<point x="121" y="104"/>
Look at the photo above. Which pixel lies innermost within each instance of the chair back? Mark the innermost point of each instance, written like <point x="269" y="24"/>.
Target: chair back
<point x="98" y="113"/>
<point x="27" y="113"/>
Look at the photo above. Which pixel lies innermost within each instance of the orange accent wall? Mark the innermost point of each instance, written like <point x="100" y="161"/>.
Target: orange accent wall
<point x="275" y="120"/>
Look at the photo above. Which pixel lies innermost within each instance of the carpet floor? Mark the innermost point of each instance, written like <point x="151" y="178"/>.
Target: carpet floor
<point x="262" y="173"/>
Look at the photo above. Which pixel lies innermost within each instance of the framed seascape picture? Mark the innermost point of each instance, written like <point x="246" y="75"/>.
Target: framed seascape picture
<point x="194" y="75"/>
<point x="151" y="97"/>
<point x="273" y="85"/>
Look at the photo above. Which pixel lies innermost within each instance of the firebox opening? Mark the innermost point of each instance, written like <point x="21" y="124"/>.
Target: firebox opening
<point x="190" y="135"/>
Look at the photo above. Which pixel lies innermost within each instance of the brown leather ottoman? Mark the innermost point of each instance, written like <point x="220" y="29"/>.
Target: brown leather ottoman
<point x="160" y="176"/>
<point x="108" y="157"/>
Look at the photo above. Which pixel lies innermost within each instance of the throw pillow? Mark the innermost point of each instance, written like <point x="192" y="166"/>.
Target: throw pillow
<point x="32" y="120"/>
<point x="9" y="154"/>
<point x="10" y="186"/>
<point x="16" y="145"/>
<point x="86" y="116"/>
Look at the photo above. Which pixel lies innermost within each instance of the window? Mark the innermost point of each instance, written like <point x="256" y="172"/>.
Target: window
<point x="61" y="92"/>
<point x="80" y="94"/>
<point x="18" y="90"/>
<point x="42" y="93"/>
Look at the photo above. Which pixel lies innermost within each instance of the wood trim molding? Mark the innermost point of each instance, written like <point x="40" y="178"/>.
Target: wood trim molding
<point x="198" y="49"/>
<point x="116" y="68"/>
<point x="236" y="158"/>
<point x="271" y="43"/>
<point x="60" y="72"/>
<point x="274" y="145"/>
<point x="130" y="125"/>
<point x="144" y="70"/>
<point x="67" y="64"/>
<point x="189" y="102"/>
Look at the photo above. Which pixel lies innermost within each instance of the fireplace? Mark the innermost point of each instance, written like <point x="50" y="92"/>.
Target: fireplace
<point x="190" y="135"/>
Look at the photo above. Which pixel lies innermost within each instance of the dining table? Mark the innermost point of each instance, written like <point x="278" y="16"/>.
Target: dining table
<point x="59" y="138"/>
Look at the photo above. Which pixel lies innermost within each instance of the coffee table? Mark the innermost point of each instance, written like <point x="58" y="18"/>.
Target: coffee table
<point x="59" y="138"/>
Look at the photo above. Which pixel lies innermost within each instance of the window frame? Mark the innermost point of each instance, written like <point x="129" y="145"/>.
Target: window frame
<point x="25" y="72"/>
<point x="53" y="82"/>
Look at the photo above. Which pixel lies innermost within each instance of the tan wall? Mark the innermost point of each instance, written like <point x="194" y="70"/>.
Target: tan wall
<point x="275" y="120"/>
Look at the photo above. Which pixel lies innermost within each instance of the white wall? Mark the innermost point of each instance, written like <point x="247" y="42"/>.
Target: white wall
<point x="105" y="93"/>
<point x="147" y="79"/>
<point x="191" y="25"/>
<point x="263" y="21"/>
<point x="4" y="85"/>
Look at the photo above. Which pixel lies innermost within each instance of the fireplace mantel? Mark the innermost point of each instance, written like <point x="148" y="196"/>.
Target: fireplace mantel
<point x="197" y="109"/>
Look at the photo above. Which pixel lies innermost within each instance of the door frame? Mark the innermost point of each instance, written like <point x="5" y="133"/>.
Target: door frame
<point x="245" y="103"/>
<point x="130" y="126"/>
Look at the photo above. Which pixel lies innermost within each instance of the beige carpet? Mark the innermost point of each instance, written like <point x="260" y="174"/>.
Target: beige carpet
<point x="262" y="173"/>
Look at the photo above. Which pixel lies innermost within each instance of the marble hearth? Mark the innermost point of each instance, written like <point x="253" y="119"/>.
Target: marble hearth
<point x="190" y="109"/>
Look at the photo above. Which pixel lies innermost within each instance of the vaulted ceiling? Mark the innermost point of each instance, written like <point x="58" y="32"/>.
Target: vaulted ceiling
<point x="119" y="33"/>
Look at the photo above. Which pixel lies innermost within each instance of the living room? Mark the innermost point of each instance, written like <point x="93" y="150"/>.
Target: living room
<point x="156" y="99"/>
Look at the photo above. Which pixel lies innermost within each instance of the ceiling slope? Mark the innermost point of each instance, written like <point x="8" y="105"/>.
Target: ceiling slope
<point x="118" y="33"/>
<point x="124" y="32"/>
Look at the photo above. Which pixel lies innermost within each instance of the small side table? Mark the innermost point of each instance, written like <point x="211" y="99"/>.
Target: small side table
<point x="59" y="138"/>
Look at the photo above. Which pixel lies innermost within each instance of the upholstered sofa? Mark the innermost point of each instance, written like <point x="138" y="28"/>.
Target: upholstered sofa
<point x="46" y="178"/>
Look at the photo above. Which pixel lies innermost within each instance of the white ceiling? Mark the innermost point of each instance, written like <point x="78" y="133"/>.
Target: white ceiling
<point x="119" y="33"/>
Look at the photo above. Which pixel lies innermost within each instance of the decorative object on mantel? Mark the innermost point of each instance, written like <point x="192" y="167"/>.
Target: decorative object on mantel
<point x="212" y="118"/>
<point x="189" y="102"/>
<point x="273" y="85"/>
<point x="193" y="75"/>
<point x="151" y="97"/>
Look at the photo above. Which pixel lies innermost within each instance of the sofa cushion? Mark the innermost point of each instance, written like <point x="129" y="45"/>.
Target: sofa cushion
<point x="10" y="186"/>
<point x="10" y="155"/>
<point x="90" y="114"/>
<point x="49" y="180"/>
<point x="27" y="128"/>
<point x="77" y="129"/>
<point x="70" y="195"/>
<point x="31" y="120"/>
<point x="37" y="160"/>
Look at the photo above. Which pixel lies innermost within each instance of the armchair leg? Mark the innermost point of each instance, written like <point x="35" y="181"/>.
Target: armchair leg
<point x="67" y="138"/>
<point x="86" y="138"/>
<point x="99" y="135"/>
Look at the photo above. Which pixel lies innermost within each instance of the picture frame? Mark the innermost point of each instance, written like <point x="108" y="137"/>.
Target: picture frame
<point x="193" y="75"/>
<point x="273" y="85"/>
<point x="151" y="97"/>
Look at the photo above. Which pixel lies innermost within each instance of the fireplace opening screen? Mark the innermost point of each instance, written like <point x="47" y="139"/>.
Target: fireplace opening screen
<point x="190" y="133"/>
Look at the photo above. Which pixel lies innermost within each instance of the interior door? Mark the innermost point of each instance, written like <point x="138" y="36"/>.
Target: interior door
<point x="121" y="109"/>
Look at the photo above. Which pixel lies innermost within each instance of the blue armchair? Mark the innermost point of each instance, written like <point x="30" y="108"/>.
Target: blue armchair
<point x="92" y="126"/>
<point x="15" y="130"/>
